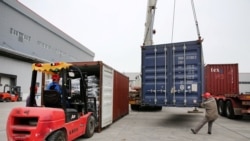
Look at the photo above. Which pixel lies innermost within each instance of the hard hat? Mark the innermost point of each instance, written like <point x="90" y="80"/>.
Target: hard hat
<point x="55" y="77"/>
<point x="206" y="95"/>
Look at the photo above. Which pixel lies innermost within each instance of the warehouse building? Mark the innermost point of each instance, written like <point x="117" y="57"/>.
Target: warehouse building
<point x="26" y="38"/>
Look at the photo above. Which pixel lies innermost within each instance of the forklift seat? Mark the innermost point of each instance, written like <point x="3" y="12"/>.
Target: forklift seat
<point x="52" y="98"/>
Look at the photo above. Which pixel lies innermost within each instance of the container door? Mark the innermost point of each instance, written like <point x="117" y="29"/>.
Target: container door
<point x="107" y="95"/>
<point x="155" y="79"/>
<point x="172" y="74"/>
<point x="187" y="74"/>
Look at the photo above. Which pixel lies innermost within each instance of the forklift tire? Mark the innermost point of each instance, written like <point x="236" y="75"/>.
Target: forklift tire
<point x="90" y="128"/>
<point x="7" y="100"/>
<point x="57" y="136"/>
<point x="19" y="99"/>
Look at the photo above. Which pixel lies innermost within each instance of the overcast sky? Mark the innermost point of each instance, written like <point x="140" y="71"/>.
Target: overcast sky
<point x="114" y="29"/>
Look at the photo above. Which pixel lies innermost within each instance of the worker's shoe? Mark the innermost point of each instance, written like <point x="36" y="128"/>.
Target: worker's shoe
<point x="193" y="131"/>
<point x="209" y="133"/>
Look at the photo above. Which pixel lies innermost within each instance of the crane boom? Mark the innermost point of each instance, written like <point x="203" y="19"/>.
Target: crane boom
<point x="135" y="87"/>
<point x="148" y="35"/>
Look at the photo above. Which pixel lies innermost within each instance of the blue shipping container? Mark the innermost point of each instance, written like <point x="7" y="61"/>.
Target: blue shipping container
<point x="173" y="74"/>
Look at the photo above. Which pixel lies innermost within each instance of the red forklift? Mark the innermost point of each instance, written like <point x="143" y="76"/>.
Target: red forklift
<point x="11" y="94"/>
<point x="65" y="117"/>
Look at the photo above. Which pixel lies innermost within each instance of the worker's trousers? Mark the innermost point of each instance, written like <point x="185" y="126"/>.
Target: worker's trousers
<point x="202" y="123"/>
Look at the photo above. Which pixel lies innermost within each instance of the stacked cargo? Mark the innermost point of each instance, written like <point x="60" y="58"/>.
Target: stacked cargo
<point x="93" y="91"/>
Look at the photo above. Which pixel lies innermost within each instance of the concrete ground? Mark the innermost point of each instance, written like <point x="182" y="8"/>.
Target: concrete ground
<point x="170" y="124"/>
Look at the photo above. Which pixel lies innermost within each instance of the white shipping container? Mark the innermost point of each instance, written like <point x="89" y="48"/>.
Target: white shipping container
<point x="244" y="83"/>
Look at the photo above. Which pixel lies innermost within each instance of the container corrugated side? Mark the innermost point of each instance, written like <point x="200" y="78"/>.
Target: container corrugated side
<point x="222" y="79"/>
<point x="172" y="74"/>
<point x="120" y="98"/>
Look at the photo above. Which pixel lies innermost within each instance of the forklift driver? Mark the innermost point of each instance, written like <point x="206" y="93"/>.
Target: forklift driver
<point x="54" y="85"/>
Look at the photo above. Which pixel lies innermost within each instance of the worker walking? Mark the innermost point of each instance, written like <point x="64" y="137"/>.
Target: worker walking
<point x="211" y="113"/>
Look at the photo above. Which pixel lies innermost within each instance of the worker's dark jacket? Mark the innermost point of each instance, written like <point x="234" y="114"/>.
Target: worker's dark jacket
<point x="211" y="109"/>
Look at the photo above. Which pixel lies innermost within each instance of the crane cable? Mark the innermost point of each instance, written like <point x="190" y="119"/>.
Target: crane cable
<point x="172" y="36"/>
<point x="195" y="18"/>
